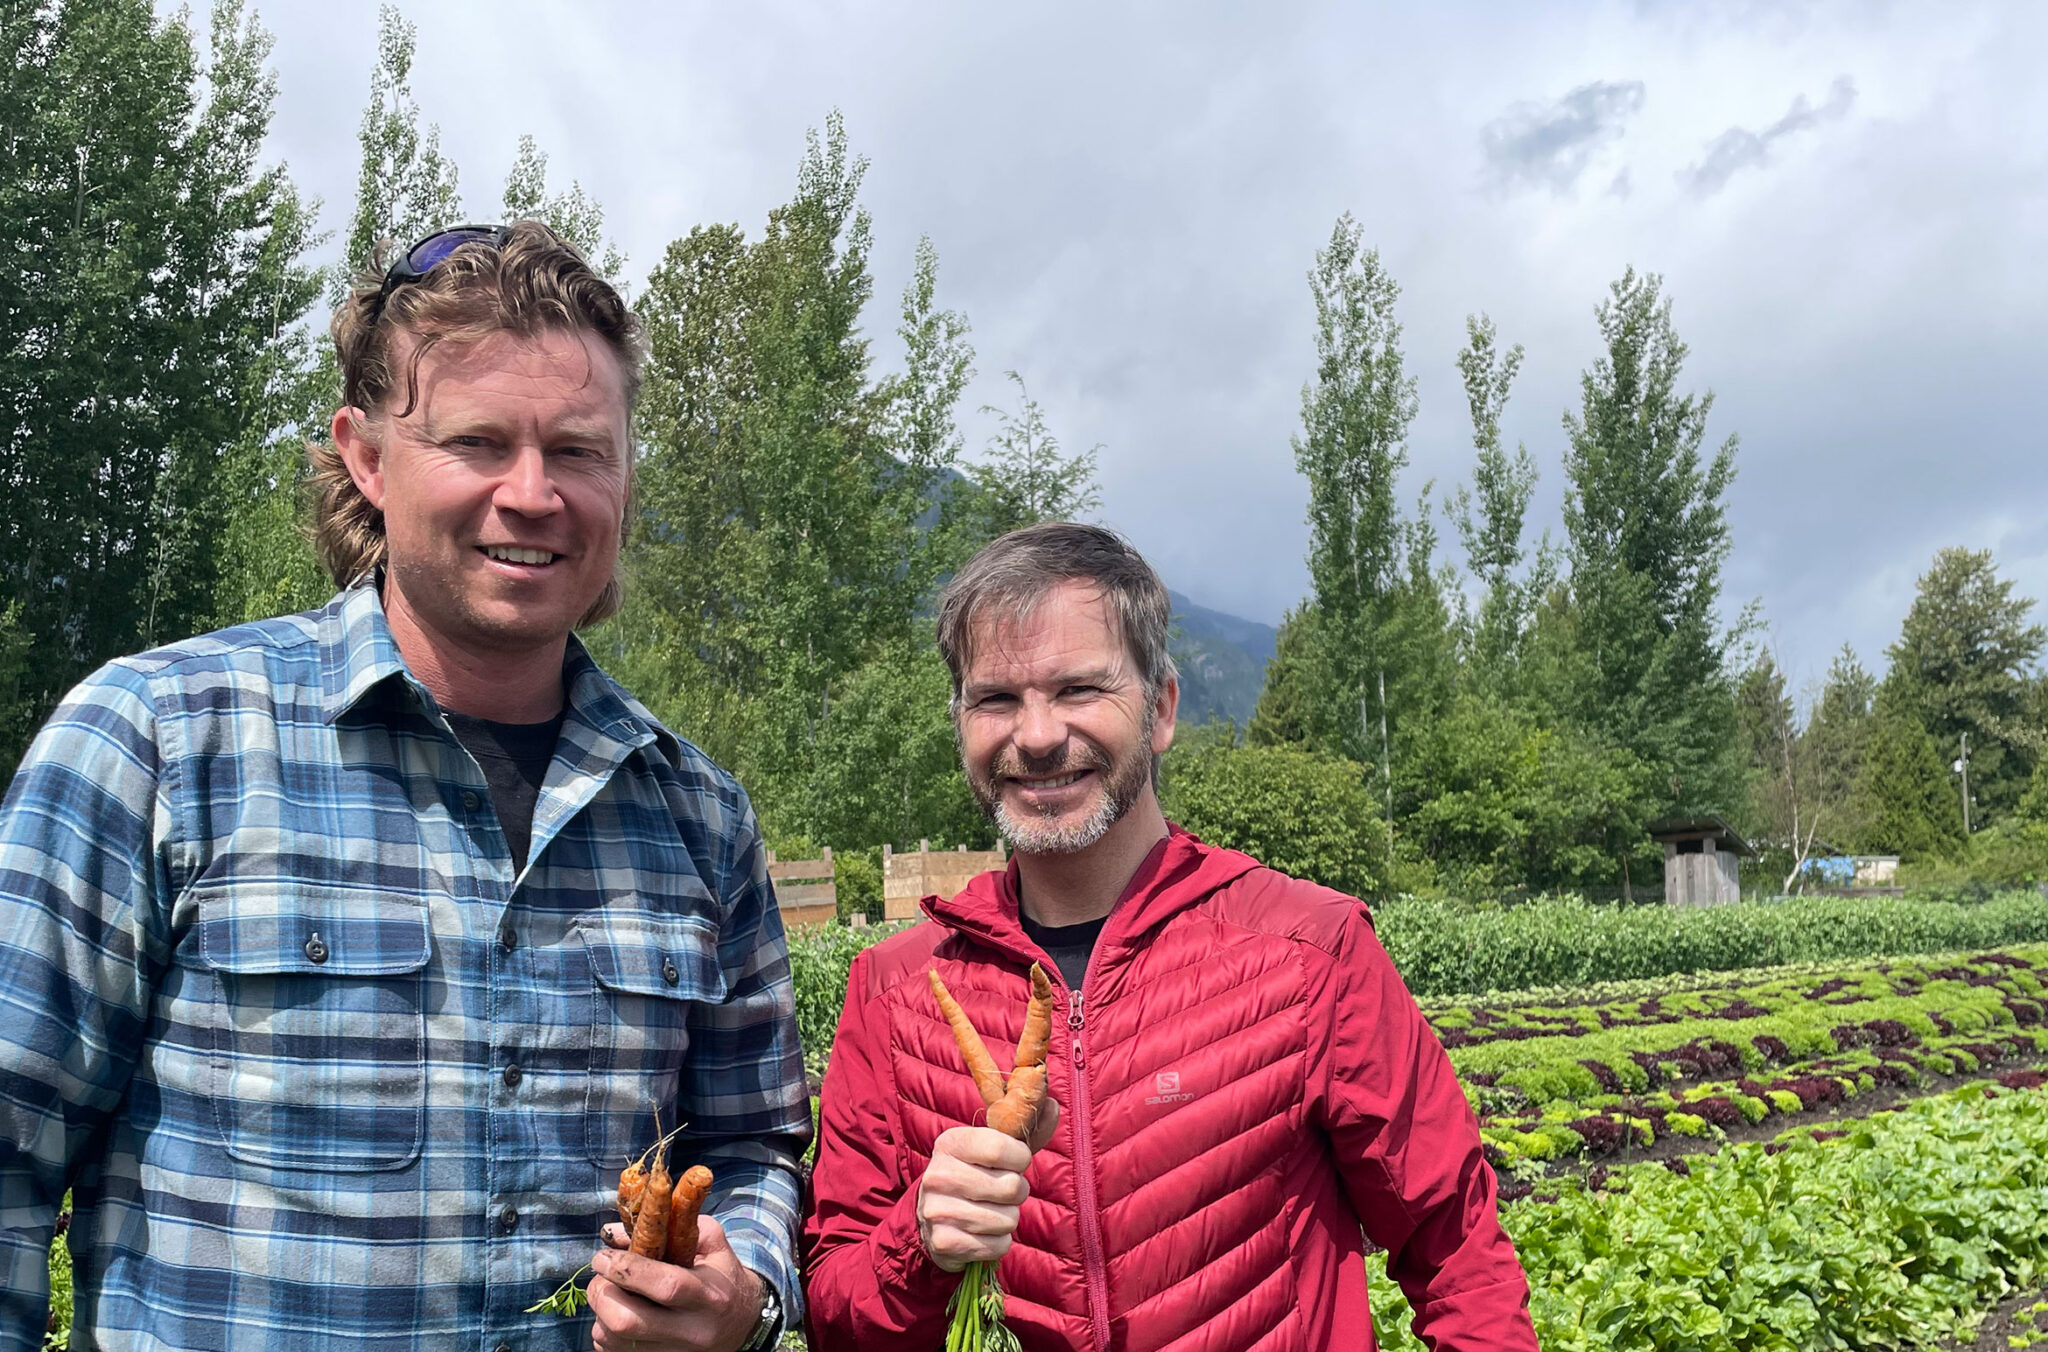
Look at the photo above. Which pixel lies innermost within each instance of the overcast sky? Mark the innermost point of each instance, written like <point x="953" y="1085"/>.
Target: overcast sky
<point x="1849" y="204"/>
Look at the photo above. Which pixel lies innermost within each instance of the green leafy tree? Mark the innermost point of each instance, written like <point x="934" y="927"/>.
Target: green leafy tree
<point x="1490" y="515"/>
<point x="1514" y="804"/>
<point x="923" y="404"/>
<point x="149" y="270"/>
<point x="573" y="215"/>
<point x="1904" y="803"/>
<point x="782" y="541"/>
<point x="1023" y="477"/>
<point x="1352" y="448"/>
<point x="1964" y="663"/>
<point x="1647" y="533"/>
<point x="1307" y="815"/>
<point x="405" y="186"/>
<point x="888" y="767"/>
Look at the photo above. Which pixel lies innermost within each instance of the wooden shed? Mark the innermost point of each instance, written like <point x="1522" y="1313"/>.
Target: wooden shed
<point x="1702" y="856"/>
<point x="909" y="877"/>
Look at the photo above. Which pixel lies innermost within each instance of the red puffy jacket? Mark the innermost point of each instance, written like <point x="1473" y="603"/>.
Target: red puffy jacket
<point x="1243" y="1082"/>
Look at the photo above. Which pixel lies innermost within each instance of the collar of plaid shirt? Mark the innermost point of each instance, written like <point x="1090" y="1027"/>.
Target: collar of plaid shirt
<point x="348" y="1077"/>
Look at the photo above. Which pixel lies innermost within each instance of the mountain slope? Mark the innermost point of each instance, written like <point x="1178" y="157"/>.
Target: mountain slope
<point x="1222" y="660"/>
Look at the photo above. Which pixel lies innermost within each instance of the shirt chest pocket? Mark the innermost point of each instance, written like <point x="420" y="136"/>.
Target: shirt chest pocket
<point x="317" y="1026"/>
<point x="652" y="975"/>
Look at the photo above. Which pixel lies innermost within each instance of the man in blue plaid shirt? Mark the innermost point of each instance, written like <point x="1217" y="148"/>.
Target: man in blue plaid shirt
<point x="346" y="958"/>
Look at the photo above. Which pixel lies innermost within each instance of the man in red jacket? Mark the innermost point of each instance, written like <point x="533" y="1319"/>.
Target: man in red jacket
<point x="1247" y="1091"/>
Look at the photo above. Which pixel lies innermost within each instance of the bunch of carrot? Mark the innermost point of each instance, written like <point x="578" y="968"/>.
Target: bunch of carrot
<point x="976" y="1309"/>
<point x="660" y="1217"/>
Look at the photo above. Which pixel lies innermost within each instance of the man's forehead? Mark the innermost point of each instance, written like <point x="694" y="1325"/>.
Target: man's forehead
<point x="558" y="363"/>
<point x="1069" y="626"/>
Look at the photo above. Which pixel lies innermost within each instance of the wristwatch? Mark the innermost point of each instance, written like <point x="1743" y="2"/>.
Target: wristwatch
<point x="769" y="1326"/>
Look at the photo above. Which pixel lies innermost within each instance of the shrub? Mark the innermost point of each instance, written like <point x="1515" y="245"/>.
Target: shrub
<point x="857" y="877"/>
<point x="1307" y="815"/>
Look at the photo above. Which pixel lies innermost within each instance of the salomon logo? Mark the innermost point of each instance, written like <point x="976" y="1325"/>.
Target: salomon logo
<point x="1167" y="1083"/>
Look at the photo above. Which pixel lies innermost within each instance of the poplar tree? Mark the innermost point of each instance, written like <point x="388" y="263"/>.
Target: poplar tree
<point x="1490" y="515"/>
<point x="574" y="214"/>
<point x="405" y="186"/>
<point x="1351" y="449"/>
<point x="780" y="543"/>
<point x="1647" y="533"/>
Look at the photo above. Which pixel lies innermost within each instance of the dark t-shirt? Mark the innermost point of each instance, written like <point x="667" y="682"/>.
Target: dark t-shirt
<point x="1067" y="945"/>
<point x="514" y="758"/>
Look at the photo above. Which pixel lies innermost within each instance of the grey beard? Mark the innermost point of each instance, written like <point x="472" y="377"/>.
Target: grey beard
<point x="1036" y="835"/>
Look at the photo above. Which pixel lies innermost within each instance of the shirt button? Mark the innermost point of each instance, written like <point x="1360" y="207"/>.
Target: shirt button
<point x="508" y="1219"/>
<point x="470" y="802"/>
<point x="669" y="972"/>
<point x="513" y="1075"/>
<point x="508" y="938"/>
<point x="316" y="949"/>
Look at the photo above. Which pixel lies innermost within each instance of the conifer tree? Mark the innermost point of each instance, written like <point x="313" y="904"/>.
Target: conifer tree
<point x="1964" y="663"/>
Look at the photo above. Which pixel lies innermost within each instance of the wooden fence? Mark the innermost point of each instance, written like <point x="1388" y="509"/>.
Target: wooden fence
<point x="909" y="876"/>
<point x="804" y="890"/>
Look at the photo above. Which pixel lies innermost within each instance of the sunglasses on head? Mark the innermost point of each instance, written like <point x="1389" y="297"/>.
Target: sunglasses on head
<point x="429" y="252"/>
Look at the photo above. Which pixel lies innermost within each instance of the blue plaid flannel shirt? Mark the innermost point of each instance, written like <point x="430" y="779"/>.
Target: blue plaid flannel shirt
<point x="320" y="1067"/>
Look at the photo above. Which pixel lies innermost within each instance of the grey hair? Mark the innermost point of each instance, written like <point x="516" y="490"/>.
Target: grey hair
<point x="1013" y="574"/>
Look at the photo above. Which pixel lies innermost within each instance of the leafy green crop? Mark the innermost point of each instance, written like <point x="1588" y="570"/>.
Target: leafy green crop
<point x="1895" y="1234"/>
<point x="1444" y="948"/>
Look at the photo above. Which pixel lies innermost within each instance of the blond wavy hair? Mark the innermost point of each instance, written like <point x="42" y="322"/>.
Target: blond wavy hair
<point x="535" y="283"/>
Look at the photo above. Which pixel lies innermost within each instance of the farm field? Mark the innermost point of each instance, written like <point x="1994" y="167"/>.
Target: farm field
<point x="1681" y="1063"/>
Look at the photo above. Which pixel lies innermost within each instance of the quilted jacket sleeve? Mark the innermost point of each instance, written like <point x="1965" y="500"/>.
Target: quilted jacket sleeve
<point x="1409" y="1150"/>
<point x="868" y="1280"/>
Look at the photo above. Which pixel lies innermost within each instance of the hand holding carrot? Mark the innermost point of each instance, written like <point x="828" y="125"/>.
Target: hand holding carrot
<point x="974" y="1189"/>
<point x="654" y="1306"/>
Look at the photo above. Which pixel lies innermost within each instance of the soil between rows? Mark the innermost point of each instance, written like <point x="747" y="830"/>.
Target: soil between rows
<point x="2013" y="1324"/>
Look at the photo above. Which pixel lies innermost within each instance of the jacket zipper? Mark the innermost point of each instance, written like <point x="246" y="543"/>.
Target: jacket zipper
<point x="1094" y="1270"/>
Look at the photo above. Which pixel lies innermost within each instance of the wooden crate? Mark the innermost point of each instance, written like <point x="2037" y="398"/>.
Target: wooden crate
<point x="909" y="877"/>
<point x="804" y="890"/>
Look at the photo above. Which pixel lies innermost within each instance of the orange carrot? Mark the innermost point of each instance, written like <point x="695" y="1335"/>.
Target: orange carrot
<point x="633" y="1178"/>
<point x="650" y="1223"/>
<point x="1017" y="1110"/>
<point x="632" y="1187"/>
<point x="1037" y="1022"/>
<point x="684" y="1204"/>
<point x="980" y="1064"/>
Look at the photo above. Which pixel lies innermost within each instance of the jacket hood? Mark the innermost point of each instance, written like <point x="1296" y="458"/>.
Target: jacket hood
<point x="1180" y="872"/>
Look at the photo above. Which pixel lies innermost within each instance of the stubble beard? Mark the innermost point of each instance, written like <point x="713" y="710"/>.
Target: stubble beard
<point x="1124" y="781"/>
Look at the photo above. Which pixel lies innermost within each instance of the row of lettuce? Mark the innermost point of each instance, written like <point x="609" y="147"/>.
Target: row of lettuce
<point x="1899" y="1230"/>
<point x="1445" y="948"/>
<point x="1601" y="1073"/>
